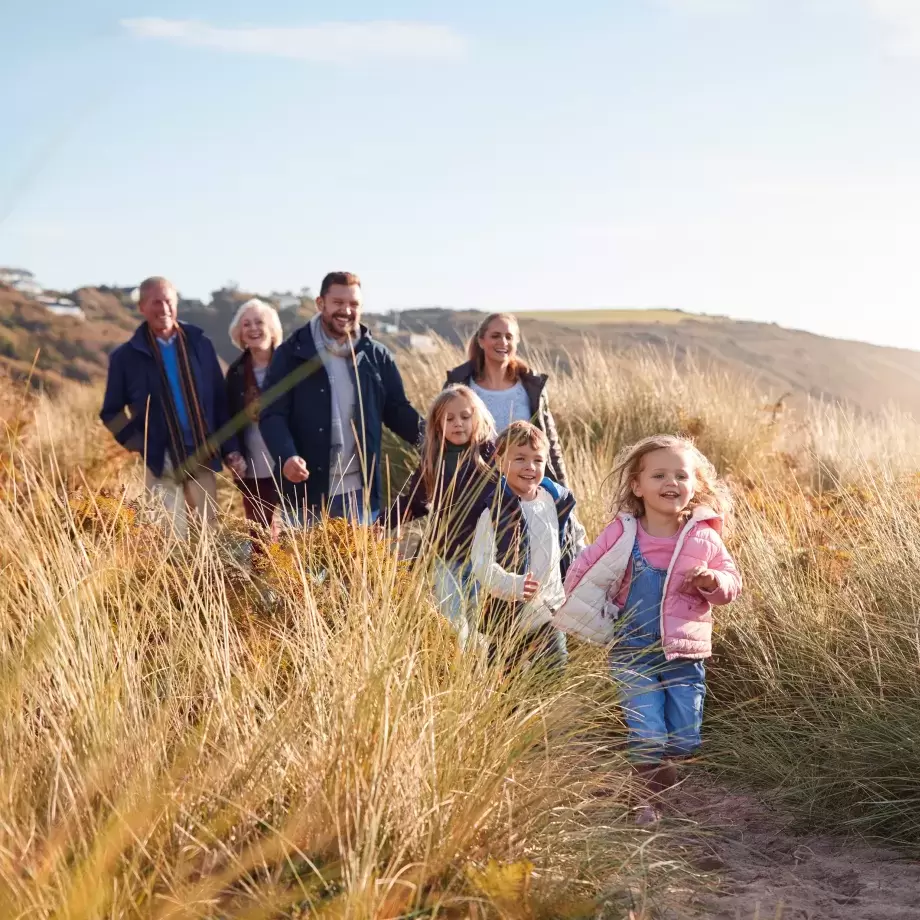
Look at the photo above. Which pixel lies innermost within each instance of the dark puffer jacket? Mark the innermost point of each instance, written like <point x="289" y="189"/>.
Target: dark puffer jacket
<point x="455" y="523"/>
<point x="535" y="388"/>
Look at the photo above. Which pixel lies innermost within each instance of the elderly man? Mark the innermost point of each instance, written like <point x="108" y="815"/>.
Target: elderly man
<point x="331" y="389"/>
<point x="165" y="399"/>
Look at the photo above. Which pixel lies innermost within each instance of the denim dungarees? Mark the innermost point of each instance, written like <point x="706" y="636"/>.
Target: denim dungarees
<point x="662" y="700"/>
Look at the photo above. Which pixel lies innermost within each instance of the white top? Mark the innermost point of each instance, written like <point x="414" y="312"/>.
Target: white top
<point x="506" y="406"/>
<point x="259" y="464"/>
<point x="542" y="523"/>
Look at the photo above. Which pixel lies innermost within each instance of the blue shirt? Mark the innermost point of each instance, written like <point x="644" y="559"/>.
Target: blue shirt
<point x="171" y="363"/>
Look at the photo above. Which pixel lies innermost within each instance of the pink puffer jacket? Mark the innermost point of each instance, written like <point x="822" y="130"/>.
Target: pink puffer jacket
<point x="686" y="617"/>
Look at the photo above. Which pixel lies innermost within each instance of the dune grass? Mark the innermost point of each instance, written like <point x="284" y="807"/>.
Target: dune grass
<point x="185" y="734"/>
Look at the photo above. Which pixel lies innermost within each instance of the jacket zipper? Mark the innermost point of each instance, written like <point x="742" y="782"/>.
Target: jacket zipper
<point x="667" y="579"/>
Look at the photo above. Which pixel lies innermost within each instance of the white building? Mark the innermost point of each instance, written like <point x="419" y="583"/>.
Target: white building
<point x="61" y="306"/>
<point x="286" y="301"/>
<point x="60" y="309"/>
<point x="20" y="280"/>
<point x="424" y="344"/>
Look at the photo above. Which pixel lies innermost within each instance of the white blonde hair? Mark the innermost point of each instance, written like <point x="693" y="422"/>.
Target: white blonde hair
<point x="272" y="320"/>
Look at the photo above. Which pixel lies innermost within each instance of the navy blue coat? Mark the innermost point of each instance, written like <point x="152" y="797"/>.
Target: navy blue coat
<point x="297" y="420"/>
<point x="134" y="384"/>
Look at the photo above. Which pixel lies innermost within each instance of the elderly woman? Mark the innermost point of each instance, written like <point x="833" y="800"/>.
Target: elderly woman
<point x="510" y="390"/>
<point x="256" y="329"/>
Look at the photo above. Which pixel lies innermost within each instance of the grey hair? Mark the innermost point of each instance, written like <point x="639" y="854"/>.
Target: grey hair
<point x="272" y="320"/>
<point x="154" y="280"/>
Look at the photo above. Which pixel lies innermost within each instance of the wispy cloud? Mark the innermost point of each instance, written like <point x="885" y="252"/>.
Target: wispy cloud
<point x="331" y="41"/>
<point x="902" y="18"/>
<point x="708" y="7"/>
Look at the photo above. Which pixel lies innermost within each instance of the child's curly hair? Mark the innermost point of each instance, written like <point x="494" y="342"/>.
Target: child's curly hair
<point x="708" y="488"/>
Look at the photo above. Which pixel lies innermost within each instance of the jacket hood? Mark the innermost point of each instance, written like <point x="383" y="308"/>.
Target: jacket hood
<point x="703" y="514"/>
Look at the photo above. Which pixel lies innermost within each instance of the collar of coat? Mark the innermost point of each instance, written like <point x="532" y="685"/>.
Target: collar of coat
<point x="304" y="348"/>
<point x="193" y="335"/>
<point x="532" y="383"/>
<point x="562" y="497"/>
<point x="701" y="514"/>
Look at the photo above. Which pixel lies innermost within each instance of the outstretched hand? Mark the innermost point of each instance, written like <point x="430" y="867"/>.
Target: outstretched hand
<point x="700" y="578"/>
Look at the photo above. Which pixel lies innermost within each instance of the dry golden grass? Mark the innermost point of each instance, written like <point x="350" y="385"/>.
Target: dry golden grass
<point x="186" y="735"/>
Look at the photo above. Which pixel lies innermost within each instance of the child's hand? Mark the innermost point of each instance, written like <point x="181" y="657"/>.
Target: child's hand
<point x="699" y="578"/>
<point x="531" y="586"/>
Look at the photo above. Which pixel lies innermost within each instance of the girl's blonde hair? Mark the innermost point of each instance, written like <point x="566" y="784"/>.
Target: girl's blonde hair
<point x="474" y="351"/>
<point x="433" y="446"/>
<point x="709" y="489"/>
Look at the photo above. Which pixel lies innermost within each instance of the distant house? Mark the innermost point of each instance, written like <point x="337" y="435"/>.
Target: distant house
<point x="20" y="280"/>
<point x="60" y="306"/>
<point x="60" y="309"/>
<point x="286" y="301"/>
<point x="27" y="287"/>
<point x="50" y="301"/>
<point x="12" y="275"/>
<point x="424" y="344"/>
<point x="388" y="328"/>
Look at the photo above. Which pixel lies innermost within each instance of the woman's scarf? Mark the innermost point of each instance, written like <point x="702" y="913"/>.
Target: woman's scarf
<point x="252" y="392"/>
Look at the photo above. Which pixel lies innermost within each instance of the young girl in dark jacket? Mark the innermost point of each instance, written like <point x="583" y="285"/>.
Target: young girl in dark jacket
<point x="454" y="471"/>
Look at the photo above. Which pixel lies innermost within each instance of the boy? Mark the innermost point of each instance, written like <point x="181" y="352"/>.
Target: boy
<point x="525" y="539"/>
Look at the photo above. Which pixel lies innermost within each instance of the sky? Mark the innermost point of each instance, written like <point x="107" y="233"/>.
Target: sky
<point x="753" y="158"/>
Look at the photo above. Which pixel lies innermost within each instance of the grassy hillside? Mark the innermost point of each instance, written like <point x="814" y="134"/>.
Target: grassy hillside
<point x="47" y="349"/>
<point x="781" y="361"/>
<point x="606" y="317"/>
<point x="186" y="736"/>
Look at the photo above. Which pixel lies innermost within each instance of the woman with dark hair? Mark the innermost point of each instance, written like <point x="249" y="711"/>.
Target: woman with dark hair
<point x="504" y="382"/>
<point x="256" y="331"/>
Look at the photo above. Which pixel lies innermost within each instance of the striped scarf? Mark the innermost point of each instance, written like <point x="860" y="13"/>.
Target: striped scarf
<point x="203" y="450"/>
<point x="252" y="393"/>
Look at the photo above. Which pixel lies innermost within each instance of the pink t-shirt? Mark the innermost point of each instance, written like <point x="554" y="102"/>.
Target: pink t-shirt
<point x="657" y="551"/>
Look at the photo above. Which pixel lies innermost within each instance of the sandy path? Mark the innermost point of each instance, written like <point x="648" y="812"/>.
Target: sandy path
<point x="767" y="871"/>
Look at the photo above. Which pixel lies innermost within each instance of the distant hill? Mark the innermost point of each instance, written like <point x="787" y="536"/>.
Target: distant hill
<point x="867" y="377"/>
<point x="72" y="348"/>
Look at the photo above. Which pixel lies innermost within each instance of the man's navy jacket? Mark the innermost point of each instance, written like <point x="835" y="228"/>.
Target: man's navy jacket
<point x="297" y="421"/>
<point x="134" y="384"/>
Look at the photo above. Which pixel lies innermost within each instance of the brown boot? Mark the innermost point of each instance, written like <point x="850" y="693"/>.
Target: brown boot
<point x="666" y="776"/>
<point x="646" y="811"/>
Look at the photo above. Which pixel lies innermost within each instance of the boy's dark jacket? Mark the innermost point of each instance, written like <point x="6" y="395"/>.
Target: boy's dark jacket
<point x="296" y="421"/>
<point x="512" y="547"/>
<point x="454" y="526"/>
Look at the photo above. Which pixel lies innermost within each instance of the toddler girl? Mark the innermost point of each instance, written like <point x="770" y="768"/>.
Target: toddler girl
<point x="647" y="586"/>
<point x="455" y="469"/>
